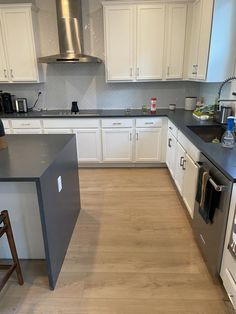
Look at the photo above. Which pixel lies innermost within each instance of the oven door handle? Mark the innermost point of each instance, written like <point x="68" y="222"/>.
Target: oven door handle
<point x="217" y="187"/>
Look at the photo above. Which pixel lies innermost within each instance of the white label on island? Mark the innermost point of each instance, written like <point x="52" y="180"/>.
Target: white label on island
<point x="21" y="201"/>
<point x="59" y="184"/>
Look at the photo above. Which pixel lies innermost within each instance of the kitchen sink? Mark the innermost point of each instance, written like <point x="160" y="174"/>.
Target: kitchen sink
<point x="208" y="133"/>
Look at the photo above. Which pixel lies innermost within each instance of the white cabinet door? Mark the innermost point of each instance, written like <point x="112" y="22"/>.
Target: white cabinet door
<point x="3" y="62"/>
<point x="204" y="39"/>
<point x="117" y="145"/>
<point x="27" y="131"/>
<point x="171" y="153"/>
<point x="20" y="46"/>
<point x="190" y="184"/>
<point x="194" y="41"/>
<point x="177" y="15"/>
<point x="119" y="42"/>
<point x="150" y="41"/>
<point x="148" y="144"/>
<point x="179" y="172"/>
<point x="88" y="145"/>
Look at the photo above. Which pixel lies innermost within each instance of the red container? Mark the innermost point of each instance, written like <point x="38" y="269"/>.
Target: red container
<point x="153" y="104"/>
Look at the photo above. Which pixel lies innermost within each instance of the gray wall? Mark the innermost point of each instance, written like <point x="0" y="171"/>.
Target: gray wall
<point x="86" y="83"/>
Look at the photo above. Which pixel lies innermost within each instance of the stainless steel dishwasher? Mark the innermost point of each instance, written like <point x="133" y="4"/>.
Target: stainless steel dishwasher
<point x="210" y="236"/>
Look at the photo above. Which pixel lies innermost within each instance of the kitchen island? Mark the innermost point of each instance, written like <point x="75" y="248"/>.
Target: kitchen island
<point x="39" y="186"/>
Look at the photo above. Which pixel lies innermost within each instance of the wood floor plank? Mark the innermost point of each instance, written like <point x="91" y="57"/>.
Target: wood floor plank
<point x="132" y="252"/>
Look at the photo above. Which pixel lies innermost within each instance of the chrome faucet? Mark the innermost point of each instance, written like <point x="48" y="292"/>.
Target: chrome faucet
<point x="221" y="87"/>
<point x="222" y="112"/>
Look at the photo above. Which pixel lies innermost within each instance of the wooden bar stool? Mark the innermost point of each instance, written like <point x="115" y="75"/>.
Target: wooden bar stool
<point x="5" y="228"/>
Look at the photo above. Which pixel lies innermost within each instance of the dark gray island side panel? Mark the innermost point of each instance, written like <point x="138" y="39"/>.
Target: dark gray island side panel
<point x="59" y="210"/>
<point x="42" y="159"/>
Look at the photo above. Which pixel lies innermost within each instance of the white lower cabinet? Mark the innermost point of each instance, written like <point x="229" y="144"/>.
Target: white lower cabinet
<point x="87" y="133"/>
<point x="170" y="153"/>
<point x="7" y="131"/>
<point x="148" y="144"/>
<point x="107" y="140"/>
<point x="189" y="183"/>
<point x="88" y="145"/>
<point x="117" y="144"/>
<point x="181" y="158"/>
<point x="179" y="168"/>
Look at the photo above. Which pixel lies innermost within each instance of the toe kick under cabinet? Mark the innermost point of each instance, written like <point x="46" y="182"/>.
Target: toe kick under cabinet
<point x="106" y="140"/>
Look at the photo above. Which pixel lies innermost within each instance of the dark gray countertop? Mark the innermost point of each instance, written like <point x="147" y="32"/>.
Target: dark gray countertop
<point x="85" y="114"/>
<point x="28" y="156"/>
<point x="223" y="158"/>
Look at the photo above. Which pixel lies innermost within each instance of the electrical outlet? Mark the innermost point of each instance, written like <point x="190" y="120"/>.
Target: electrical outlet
<point x="59" y="184"/>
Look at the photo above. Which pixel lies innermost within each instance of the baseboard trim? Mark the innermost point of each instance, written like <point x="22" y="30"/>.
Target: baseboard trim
<point x="123" y="165"/>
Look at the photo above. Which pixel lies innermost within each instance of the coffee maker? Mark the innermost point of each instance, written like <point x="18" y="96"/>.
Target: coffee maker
<point x="6" y="100"/>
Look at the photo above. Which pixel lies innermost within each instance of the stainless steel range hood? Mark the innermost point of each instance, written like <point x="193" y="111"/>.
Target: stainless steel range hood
<point x="70" y="31"/>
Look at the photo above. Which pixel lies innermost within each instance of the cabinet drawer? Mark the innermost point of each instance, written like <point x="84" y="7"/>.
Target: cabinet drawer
<point x="6" y="123"/>
<point x="117" y="123"/>
<point x="172" y="128"/>
<point x="193" y="152"/>
<point x="148" y="122"/>
<point x="191" y="149"/>
<point x="26" y="124"/>
<point x="27" y="131"/>
<point x="70" y="123"/>
<point x="182" y="139"/>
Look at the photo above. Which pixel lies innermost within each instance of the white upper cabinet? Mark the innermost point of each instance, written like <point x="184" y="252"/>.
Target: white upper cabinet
<point x="144" y="41"/>
<point x="212" y="44"/>
<point x="150" y="41"/>
<point x="134" y="41"/>
<point x="119" y="42"/>
<point x="194" y="39"/>
<point x="19" y="63"/>
<point x="3" y="62"/>
<point x="176" y="29"/>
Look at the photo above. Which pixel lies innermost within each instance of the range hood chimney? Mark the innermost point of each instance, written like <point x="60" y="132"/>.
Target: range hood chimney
<point x="70" y="31"/>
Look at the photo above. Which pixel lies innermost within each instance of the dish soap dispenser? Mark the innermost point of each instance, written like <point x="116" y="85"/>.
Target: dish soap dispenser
<point x="228" y="138"/>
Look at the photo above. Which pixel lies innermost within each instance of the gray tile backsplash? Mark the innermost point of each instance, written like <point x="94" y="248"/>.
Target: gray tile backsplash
<point x="86" y="82"/>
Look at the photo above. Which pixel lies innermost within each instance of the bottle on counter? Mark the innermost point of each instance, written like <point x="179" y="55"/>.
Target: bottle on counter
<point x="153" y="105"/>
<point x="228" y="138"/>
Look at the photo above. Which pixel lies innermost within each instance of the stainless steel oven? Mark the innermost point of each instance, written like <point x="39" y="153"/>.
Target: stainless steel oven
<point x="210" y="234"/>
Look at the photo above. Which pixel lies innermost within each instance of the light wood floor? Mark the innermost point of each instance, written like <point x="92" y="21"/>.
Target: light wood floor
<point x="132" y="252"/>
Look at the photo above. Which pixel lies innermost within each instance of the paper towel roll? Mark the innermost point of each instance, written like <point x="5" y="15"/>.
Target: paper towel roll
<point x="190" y="103"/>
